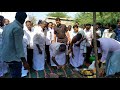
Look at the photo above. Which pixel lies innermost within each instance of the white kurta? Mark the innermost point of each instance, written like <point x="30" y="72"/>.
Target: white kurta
<point x="107" y="34"/>
<point x="39" y="59"/>
<point x="59" y="56"/>
<point x="78" y="51"/>
<point x="25" y="43"/>
<point x="30" y="35"/>
<point x="74" y="61"/>
<point x="49" y="37"/>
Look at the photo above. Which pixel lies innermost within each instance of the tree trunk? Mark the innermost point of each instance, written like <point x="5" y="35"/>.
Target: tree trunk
<point x="95" y="44"/>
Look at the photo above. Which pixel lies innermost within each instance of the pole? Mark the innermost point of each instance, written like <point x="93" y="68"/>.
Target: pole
<point x="95" y="45"/>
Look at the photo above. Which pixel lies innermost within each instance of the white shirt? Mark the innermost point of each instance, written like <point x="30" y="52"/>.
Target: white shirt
<point x="54" y="48"/>
<point x="30" y="36"/>
<point x="25" y="43"/>
<point x="89" y="35"/>
<point x="108" y="45"/>
<point x="98" y="32"/>
<point x="49" y="36"/>
<point x="1" y="30"/>
<point x="39" y="38"/>
<point x="107" y="34"/>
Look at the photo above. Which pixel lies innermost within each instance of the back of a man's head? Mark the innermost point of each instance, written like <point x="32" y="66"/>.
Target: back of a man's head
<point x="62" y="47"/>
<point x="1" y="21"/>
<point x="21" y="16"/>
<point x="78" y="36"/>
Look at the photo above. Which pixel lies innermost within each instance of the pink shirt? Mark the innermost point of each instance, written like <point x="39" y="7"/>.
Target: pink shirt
<point x="108" y="45"/>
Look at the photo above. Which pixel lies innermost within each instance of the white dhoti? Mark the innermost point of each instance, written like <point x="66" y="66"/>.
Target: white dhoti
<point x="76" y="61"/>
<point x="60" y="59"/>
<point x="113" y="63"/>
<point x="38" y="59"/>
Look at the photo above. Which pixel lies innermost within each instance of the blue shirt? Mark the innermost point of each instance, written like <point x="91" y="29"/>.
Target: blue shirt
<point x="117" y="32"/>
<point x="12" y="46"/>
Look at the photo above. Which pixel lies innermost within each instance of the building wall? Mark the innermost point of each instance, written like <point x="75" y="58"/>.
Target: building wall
<point x="66" y="22"/>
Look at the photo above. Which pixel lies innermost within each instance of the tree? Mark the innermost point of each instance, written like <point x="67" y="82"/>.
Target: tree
<point x="32" y="19"/>
<point x="58" y="14"/>
<point x="102" y="17"/>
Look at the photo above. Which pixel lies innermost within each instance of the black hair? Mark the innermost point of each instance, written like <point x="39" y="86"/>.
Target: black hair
<point x="39" y="22"/>
<point x="1" y="21"/>
<point x="63" y="46"/>
<point x="57" y="19"/>
<point x="21" y="16"/>
<point x="77" y="22"/>
<point x="118" y="20"/>
<point x="75" y="26"/>
<point x="28" y="21"/>
<point x="113" y="26"/>
<point x="1" y="17"/>
<point x="88" y="24"/>
<point x="51" y="23"/>
<point x="98" y="23"/>
<point x="97" y="41"/>
<point x="78" y="36"/>
<point x="69" y="26"/>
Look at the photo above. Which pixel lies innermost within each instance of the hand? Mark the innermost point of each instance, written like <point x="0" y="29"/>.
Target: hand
<point x="58" y="67"/>
<point x="73" y="55"/>
<point x="68" y="43"/>
<point x="26" y="66"/>
<point x="63" y="66"/>
<point x="84" y="54"/>
<point x="69" y="51"/>
<point x="40" y="51"/>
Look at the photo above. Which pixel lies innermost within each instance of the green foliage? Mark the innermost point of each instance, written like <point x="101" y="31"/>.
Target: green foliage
<point x="102" y="17"/>
<point x="58" y="14"/>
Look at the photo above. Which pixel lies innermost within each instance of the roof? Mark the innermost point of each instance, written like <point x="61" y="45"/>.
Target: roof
<point x="63" y="19"/>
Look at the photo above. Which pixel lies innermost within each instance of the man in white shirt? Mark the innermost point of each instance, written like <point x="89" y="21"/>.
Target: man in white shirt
<point x="49" y="38"/>
<point x="39" y="47"/>
<point x="58" y="54"/>
<point x="74" y="61"/>
<point x="98" y="30"/>
<point x="89" y="33"/>
<point x="89" y="36"/>
<point x="25" y="44"/>
<point x="110" y="54"/>
<point x="29" y="31"/>
<point x="109" y="33"/>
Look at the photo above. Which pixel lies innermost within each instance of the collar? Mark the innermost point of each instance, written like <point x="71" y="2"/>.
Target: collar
<point x="18" y="23"/>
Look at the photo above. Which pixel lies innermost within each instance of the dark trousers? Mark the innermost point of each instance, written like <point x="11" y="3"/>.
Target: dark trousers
<point x="15" y="69"/>
<point x="87" y="55"/>
<point x="47" y="53"/>
<point x="30" y="57"/>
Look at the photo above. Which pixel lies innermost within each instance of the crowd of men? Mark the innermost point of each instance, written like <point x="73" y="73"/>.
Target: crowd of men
<point x="31" y="47"/>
